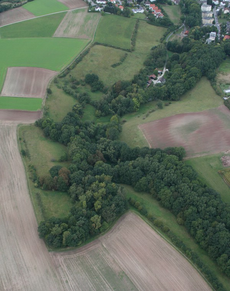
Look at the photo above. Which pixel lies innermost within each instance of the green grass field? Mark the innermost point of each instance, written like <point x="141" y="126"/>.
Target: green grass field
<point x="225" y="66"/>
<point x="174" y="13"/>
<point x="18" y="103"/>
<point x="48" y="53"/>
<point x="43" y="154"/>
<point x="42" y="7"/>
<point x="202" y="97"/>
<point x="115" y="30"/>
<point x="38" y="27"/>
<point x="207" y="168"/>
<point x="169" y="219"/>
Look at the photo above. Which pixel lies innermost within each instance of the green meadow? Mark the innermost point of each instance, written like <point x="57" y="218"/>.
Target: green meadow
<point x="48" y="53"/>
<point x="38" y="27"/>
<point x="115" y="31"/>
<point x="18" y="103"/>
<point x="42" y="7"/>
<point x="173" y="12"/>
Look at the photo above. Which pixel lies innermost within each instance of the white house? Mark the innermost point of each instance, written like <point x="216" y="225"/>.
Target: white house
<point x="100" y="1"/>
<point x="205" y="7"/>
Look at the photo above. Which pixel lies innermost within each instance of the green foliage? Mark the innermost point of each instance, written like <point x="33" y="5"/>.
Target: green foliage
<point x="42" y="7"/>
<point x="18" y="103"/>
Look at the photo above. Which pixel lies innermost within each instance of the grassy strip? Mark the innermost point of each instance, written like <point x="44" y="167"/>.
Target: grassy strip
<point x="174" y="13"/>
<point x="38" y="27"/>
<point x="18" y="103"/>
<point x="225" y="66"/>
<point x="42" y="7"/>
<point x="166" y="219"/>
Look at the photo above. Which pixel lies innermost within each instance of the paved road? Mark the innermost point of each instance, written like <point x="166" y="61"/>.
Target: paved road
<point x="216" y="23"/>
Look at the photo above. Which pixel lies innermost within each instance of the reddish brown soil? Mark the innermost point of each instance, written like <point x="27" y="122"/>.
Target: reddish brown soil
<point x="19" y="116"/>
<point x="199" y="133"/>
<point x="73" y="3"/>
<point x="26" y="82"/>
<point x="15" y="15"/>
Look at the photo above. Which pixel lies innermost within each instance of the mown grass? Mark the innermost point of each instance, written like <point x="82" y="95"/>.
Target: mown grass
<point x="38" y="27"/>
<point x="169" y="219"/>
<point x="43" y="154"/>
<point x="202" y="97"/>
<point x="18" y="103"/>
<point x="48" y="53"/>
<point x="42" y="7"/>
<point x="225" y="66"/>
<point x="207" y="168"/>
<point x="174" y="13"/>
<point x="116" y="31"/>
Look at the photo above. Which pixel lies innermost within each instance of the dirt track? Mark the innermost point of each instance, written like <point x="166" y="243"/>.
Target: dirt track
<point x="25" y="263"/>
<point x="15" y="15"/>
<point x="27" y="82"/>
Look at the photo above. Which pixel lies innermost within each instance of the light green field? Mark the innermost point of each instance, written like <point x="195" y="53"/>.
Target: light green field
<point x="43" y="154"/>
<point x="202" y="97"/>
<point x="207" y="168"/>
<point x="225" y="66"/>
<point x="169" y="219"/>
<point x="174" y="13"/>
<point x="115" y="31"/>
<point x="48" y="53"/>
<point x="42" y="7"/>
<point x="38" y="27"/>
<point x="18" y="103"/>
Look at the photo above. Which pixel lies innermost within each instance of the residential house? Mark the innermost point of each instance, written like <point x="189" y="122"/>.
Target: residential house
<point x="147" y="3"/>
<point x="212" y="35"/>
<point x="97" y="8"/>
<point x="152" y="77"/>
<point x="207" y="21"/>
<point x="215" y="2"/>
<point x="207" y="14"/>
<point x="101" y="1"/>
<point x="138" y="10"/>
<point x="226" y="37"/>
<point x="205" y="7"/>
<point x="121" y="7"/>
<point x="226" y="10"/>
<point x="176" y="2"/>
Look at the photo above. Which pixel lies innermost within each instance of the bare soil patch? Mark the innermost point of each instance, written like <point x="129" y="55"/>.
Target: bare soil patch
<point x="25" y="263"/>
<point x="225" y="161"/>
<point x="19" y="116"/>
<point x="200" y="133"/>
<point x="73" y="3"/>
<point x="77" y="25"/>
<point x="27" y="82"/>
<point x="134" y="249"/>
<point x="15" y="15"/>
<point x="223" y="78"/>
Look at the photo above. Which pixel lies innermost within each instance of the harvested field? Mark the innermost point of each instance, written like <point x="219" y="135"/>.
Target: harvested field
<point x="78" y="24"/>
<point x="25" y="262"/>
<point x="132" y="256"/>
<point x="73" y="3"/>
<point x="200" y="133"/>
<point x="18" y="116"/>
<point x="27" y="82"/>
<point x="14" y="15"/>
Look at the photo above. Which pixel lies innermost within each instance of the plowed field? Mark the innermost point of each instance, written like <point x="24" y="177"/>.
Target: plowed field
<point x="14" y="15"/>
<point x="18" y="116"/>
<point x="200" y="133"/>
<point x="26" y="82"/>
<point x="132" y="256"/>
<point x="73" y="3"/>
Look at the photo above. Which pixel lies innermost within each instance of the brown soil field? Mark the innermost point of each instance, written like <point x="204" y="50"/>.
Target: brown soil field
<point x="14" y="15"/>
<point x="73" y="3"/>
<point x="25" y="263"/>
<point x="132" y="256"/>
<point x="27" y="82"/>
<point x="200" y="133"/>
<point x="19" y="116"/>
<point x="78" y="25"/>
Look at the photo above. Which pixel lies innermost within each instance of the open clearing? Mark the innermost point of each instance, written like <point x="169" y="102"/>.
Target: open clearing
<point x="132" y="256"/>
<point x="200" y="133"/>
<point x="26" y="82"/>
<point x="19" y="116"/>
<point x="173" y="12"/>
<point x="73" y="3"/>
<point x="14" y="15"/>
<point x="115" y="31"/>
<point x="48" y="53"/>
<point x="38" y="27"/>
<point x="42" y="7"/>
<point x="225" y="66"/>
<point x="78" y="24"/>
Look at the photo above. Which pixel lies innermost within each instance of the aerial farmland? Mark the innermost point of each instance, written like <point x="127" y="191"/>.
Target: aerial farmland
<point x="71" y="217"/>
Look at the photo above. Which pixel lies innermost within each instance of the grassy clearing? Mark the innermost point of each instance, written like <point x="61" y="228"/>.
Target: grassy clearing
<point x="116" y="31"/>
<point x="202" y="97"/>
<point x="169" y="219"/>
<point x="38" y="27"/>
<point x="207" y="168"/>
<point x="42" y="7"/>
<point x="42" y="153"/>
<point x="225" y="66"/>
<point x="18" y="103"/>
<point x="48" y="53"/>
<point x="173" y="12"/>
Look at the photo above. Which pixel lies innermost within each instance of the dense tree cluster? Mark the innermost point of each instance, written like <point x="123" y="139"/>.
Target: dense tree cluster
<point x="191" y="12"/>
